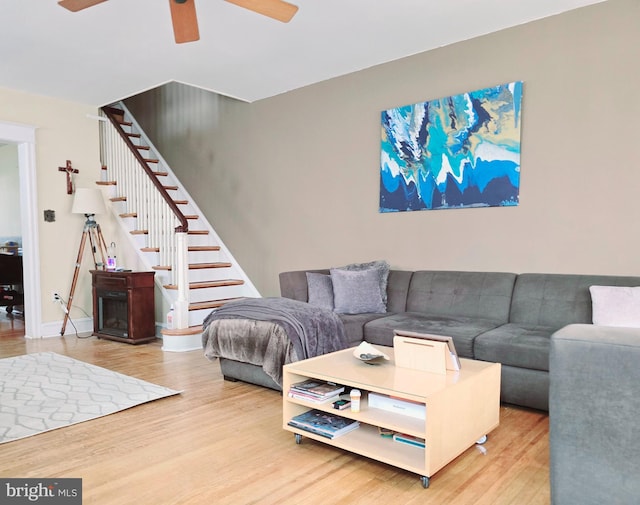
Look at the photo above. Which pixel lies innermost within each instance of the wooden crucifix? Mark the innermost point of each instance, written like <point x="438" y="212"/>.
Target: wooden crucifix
<point x="70" y="171"/>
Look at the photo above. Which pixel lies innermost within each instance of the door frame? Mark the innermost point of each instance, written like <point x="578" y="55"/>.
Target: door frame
<point x="24" y="136"/>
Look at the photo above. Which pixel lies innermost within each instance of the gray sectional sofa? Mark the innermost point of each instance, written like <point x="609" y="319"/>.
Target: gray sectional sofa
<point x="492" y="316"/>
<point x="594" y="407"/>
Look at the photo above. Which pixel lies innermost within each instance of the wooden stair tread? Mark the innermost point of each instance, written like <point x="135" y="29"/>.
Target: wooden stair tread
<point x="212" y="304"/>
<point x="193" y="248"/>
<point x="106" y="183"/>
<point x="209" y="284"/>
<point x="118" y="199"/>
<point x="198" y="232"/>
<point x="134" y="135"/>
<point x="143" y="148"/>
<point x="170" y="188"/>
<point x="129" y="214"/>
<point x="139" y="232"/>
<point x="151" y="160"/>
<point x="199" y="248"/>
<point x="181" y="202"/>
<point x="195" y="266"/>
<point x="200" y="266"/>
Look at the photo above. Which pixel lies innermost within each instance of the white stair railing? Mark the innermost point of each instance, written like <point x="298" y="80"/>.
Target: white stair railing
<point x="157" y="215"/>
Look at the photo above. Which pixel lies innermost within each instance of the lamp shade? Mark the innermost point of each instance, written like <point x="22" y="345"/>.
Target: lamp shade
<point x="88" y="201"/>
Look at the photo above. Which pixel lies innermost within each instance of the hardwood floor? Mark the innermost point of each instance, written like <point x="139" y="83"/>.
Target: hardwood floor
<point x="11" y="325"/>
<point x="222" y="442"/>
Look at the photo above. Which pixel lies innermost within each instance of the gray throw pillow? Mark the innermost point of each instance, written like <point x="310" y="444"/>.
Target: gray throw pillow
<point x="320" y="290"/>
<point x="357" y="291"/>
<point x="381" y="266"/>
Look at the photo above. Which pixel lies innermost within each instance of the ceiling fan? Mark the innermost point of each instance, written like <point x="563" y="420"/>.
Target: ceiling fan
<point x="185" y="21"/>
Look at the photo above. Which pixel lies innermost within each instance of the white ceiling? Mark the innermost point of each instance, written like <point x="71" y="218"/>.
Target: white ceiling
<point x="121" y="47"/>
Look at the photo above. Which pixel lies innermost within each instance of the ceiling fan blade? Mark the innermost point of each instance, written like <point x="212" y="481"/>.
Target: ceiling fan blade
<point x="78" y="5"/>
<point x="185" y="21"/>
<point x="276" y="9"/>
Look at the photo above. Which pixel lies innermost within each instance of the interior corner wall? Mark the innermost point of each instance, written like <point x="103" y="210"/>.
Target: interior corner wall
<point x="292" y="181"/>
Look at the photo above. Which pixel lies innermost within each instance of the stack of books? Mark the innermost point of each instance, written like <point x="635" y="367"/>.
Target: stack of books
<point x="409" y="439"/>
<point x="323" y="423"/>
<point x="315" y="391"/>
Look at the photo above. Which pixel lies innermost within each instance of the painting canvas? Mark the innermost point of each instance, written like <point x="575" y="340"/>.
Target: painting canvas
<point x="455" y="152"/>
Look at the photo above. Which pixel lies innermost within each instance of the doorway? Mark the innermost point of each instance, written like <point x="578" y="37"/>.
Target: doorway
<point x="23" y="138"/>
<point x="11" y="271"/>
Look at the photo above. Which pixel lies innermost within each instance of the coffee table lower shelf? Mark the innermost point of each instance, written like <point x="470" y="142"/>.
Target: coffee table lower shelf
<point x="366" y="441"/>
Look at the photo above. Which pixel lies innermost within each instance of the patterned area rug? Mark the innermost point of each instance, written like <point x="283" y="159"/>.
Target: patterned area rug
<point x="45" y="391"/>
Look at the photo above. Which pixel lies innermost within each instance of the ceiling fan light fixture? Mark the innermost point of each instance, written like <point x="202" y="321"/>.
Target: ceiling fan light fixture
<point x="185" y="20"/>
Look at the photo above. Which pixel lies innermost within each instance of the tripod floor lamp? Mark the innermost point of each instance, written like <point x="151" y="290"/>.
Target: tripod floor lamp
<point x="88" y="202"/>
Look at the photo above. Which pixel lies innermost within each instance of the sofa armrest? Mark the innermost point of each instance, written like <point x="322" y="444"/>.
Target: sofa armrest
<point x="594" y="415"/>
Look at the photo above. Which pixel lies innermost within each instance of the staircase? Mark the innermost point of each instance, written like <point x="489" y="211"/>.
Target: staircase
<point x="195" y="272"/>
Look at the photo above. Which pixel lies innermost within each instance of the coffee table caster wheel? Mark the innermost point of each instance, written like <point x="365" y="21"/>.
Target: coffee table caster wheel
<point x="482" y="440"/>
<point x="298" y="438"/>
<point x="425" y="481"/>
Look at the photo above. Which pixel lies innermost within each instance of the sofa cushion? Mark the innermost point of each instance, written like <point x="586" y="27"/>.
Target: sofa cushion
<point x="357" y="291"/>
<point x="462" y="329"/>
<point x="518" y="345"/>
<point x="320" y="290"/>
<point x="354" y="326"/>
<point x="397" y="289"/>
<point x="616" y="306"/>
<point x="558" y="299"/>
<point x="467" y="294"/>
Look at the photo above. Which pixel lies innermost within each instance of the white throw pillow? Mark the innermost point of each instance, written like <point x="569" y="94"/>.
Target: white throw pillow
<point x="616" y="306"/>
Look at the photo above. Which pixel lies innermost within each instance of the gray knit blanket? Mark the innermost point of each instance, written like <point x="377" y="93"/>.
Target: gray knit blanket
<point x="310" y="331"/>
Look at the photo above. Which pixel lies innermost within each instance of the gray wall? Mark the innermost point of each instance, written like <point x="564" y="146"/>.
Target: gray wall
<point x="293" y="181"/>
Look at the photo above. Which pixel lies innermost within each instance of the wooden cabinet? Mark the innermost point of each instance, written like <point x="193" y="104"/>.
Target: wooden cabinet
<point x="124" y="306"/>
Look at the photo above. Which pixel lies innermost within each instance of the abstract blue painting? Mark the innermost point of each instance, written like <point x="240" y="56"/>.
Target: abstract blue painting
<point x="455" y="152"/>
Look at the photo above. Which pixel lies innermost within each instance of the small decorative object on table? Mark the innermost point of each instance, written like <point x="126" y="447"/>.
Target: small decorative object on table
<point x="369" y="354"/>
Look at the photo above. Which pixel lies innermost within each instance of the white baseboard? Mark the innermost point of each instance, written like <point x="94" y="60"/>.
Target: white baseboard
<point x="52" y="329"/>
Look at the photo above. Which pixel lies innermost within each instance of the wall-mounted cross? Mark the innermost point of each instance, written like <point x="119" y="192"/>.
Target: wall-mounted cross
<point x="70" y="171"/>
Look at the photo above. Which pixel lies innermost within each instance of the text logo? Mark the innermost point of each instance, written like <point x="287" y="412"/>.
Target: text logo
<point x="41" y="491"/>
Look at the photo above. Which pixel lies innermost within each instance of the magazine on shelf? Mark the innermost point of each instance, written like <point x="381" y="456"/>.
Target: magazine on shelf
<point x="409" y="439"/>
<point x="323" y="423"/>
<point x="316" y="388"/>
<point x="310" y="398"/>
